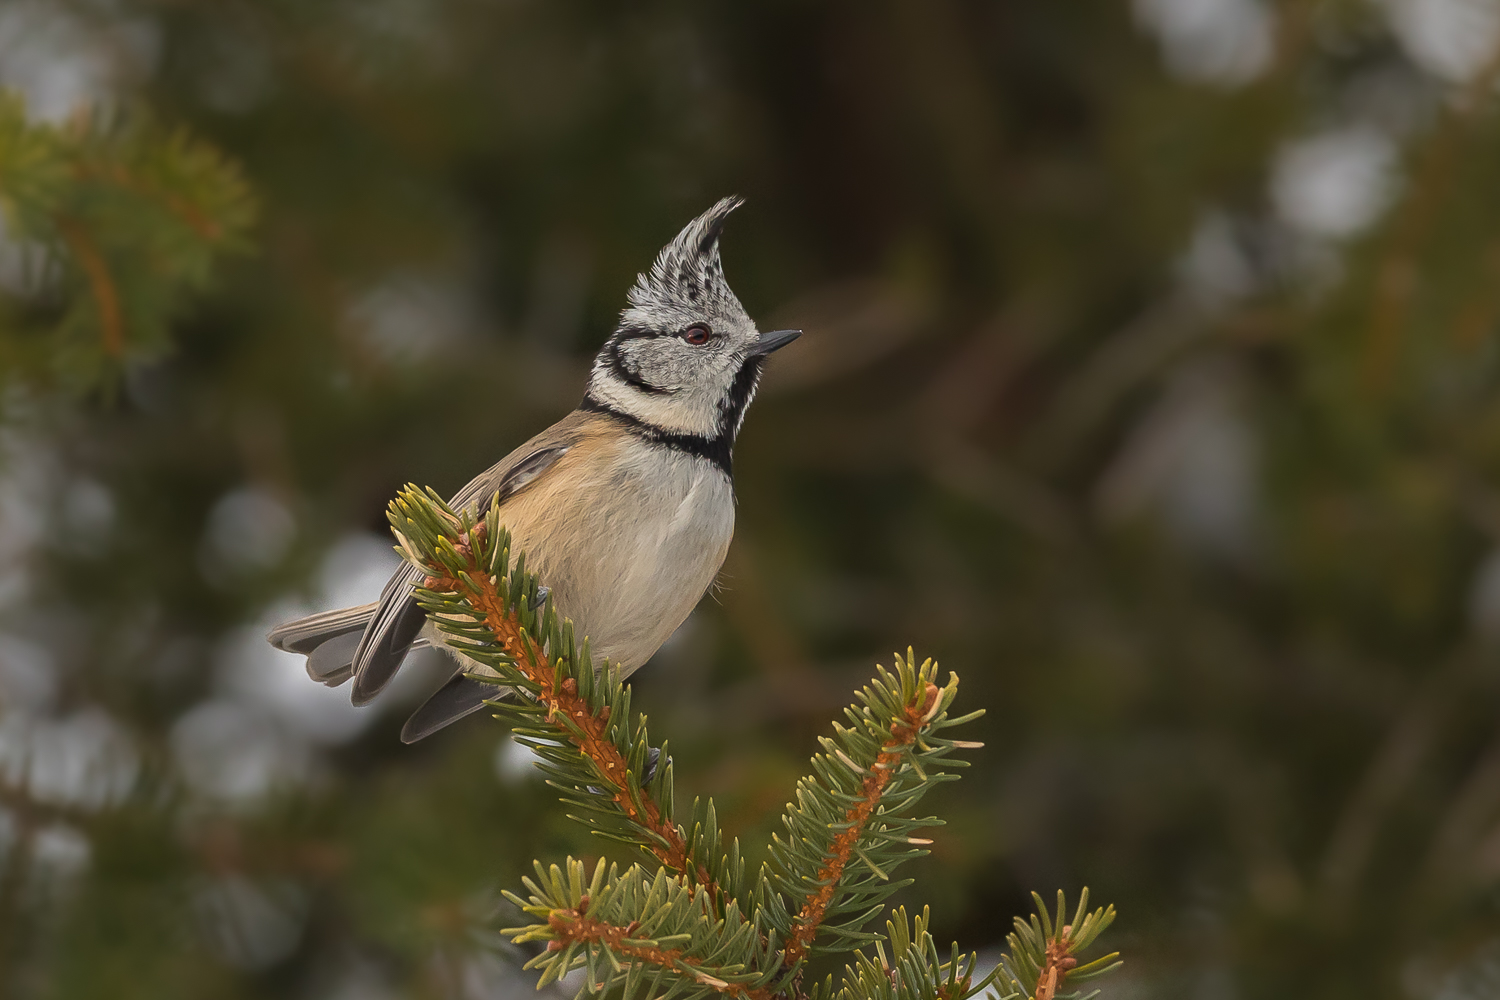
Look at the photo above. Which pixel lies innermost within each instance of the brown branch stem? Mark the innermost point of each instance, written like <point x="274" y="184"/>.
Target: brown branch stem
<point x="101" y="284"/>
<point x="575" y="926"/>
<point x="903" y="733"/>
<point x="1057" y="966"/>
<point x="585" y="729"/>
<point x="117" y="174"/>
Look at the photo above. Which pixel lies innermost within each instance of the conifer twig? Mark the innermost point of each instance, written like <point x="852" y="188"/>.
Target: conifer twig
<point x="650" y="936"/>
<point x="903" y="734"/>
<point x="692" y="928"/>
<point x="1043" y="954"/>
<point x="851" y="824"/>
<point x="1055" y="972"/>
<point x="101" y="285"/>
<point x="585" y="728"/>
<point x="192" y="216"/>
<point x="142" y="214"/>
<point x="575" y="926"/>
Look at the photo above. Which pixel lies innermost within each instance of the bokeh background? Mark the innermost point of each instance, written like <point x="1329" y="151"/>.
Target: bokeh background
<point x="1150" y="383"/>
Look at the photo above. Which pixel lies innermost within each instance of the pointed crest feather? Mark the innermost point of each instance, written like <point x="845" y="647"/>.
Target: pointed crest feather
<point x="689" y="269"/>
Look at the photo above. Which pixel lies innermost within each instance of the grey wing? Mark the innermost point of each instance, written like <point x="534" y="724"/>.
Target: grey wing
<point x="398" y="619"/>
<point x="512" y="480"/>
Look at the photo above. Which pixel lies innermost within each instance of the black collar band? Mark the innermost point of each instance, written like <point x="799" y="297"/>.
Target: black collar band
<point x="715" y="449"/>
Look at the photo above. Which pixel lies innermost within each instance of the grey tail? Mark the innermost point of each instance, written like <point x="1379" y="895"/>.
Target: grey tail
<point x="393" y="631"/>
<point x="328" y="640"/>
<point x="459" y="697"/>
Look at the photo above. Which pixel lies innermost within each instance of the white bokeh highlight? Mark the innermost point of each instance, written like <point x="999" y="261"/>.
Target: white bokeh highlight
<point x="60" y="852"/>
<point x="229" y="753"/>
<point x="1334" y="184"/>
<point x="1453" y="40"/>
<point x="1223" y="42"/>
<point x="28" y="676"/>
<point x="249" y="530"/>
<point x="1193" y="462"/>
<point x="1216" y="266"/>
<point x="1484" y="599"/>
<point x="30" y="478"/>
<point x="410" y="317"/>
<point x="250" y="924"/>
<point x="85" y="760"/>
<point x="262" y="729"/>
<point x="63" y="63"/>
<point x="514" y="762"/>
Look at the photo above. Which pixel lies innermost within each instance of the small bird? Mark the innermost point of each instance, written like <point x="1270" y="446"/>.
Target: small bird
<point x="624" y="508"/>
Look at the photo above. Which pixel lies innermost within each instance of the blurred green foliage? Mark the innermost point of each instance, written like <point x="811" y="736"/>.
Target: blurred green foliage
<point x="113" y="222"/>
<point x="1150" y="383"/>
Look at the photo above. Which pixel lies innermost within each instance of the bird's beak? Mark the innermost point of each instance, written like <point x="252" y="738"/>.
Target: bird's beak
<point x="774" y="341"/>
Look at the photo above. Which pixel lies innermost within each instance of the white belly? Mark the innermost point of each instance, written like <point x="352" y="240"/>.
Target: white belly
<point x="629" y="540"/>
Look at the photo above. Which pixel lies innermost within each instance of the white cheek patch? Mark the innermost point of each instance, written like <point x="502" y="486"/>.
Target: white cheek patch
<point x="685" y="411"/>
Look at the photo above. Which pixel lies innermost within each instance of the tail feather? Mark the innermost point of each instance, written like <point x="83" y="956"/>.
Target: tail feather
<point x="332" y="663"/>
<point x="306" y="634"/>
<point x="394" y="631"/>
<point x="329" y="640"/>
<point x="459" y="697"/>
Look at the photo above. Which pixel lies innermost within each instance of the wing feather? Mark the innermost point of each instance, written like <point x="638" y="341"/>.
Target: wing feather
<point x="398" y="619"/>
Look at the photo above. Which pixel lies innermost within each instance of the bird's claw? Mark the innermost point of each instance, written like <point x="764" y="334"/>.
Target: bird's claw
<point x="648" y="773"/>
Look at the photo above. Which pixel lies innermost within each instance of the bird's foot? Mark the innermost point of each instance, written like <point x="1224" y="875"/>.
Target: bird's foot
<point x="648" y="773"/>
<point x="653" y="757"/>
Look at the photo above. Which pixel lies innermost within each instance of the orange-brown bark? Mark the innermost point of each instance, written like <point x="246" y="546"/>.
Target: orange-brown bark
<point x="589" y="732"/>
<point x="903" y="733"/>
<point x="101" y="285"/>
<point x="1055" y="968"/>
<point x="577" y="926"/>
<point x="117" y="174"/>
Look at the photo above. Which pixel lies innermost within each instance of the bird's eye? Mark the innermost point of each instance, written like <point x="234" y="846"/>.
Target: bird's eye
<point x="697" y="334"/>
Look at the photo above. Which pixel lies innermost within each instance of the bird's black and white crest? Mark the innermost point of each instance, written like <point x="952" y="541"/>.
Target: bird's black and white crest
<point x="684" y="361"/>
<point x="687" y="272"/>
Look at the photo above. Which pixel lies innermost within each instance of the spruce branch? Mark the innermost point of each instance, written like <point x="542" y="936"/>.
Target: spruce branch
<point x="906" y="966"/>
<point x="694" y="928"/>
<point x="651" y="936"/>
<point x="1043" y="954"/>
<point x="124" y="220"/>
<point x="848" y="829"/>
<point x="577" y="720"/>
<point x="101" y="284"/>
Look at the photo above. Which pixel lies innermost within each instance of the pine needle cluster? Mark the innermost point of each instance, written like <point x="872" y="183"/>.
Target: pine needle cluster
<point x="111" y="222"/>
<point x="686" y="921"/>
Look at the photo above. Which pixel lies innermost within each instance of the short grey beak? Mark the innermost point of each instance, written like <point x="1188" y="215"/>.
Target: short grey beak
<point x="775" y="341"/>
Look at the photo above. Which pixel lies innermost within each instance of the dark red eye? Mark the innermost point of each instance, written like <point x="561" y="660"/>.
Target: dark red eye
<point x="697" y="335"/>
